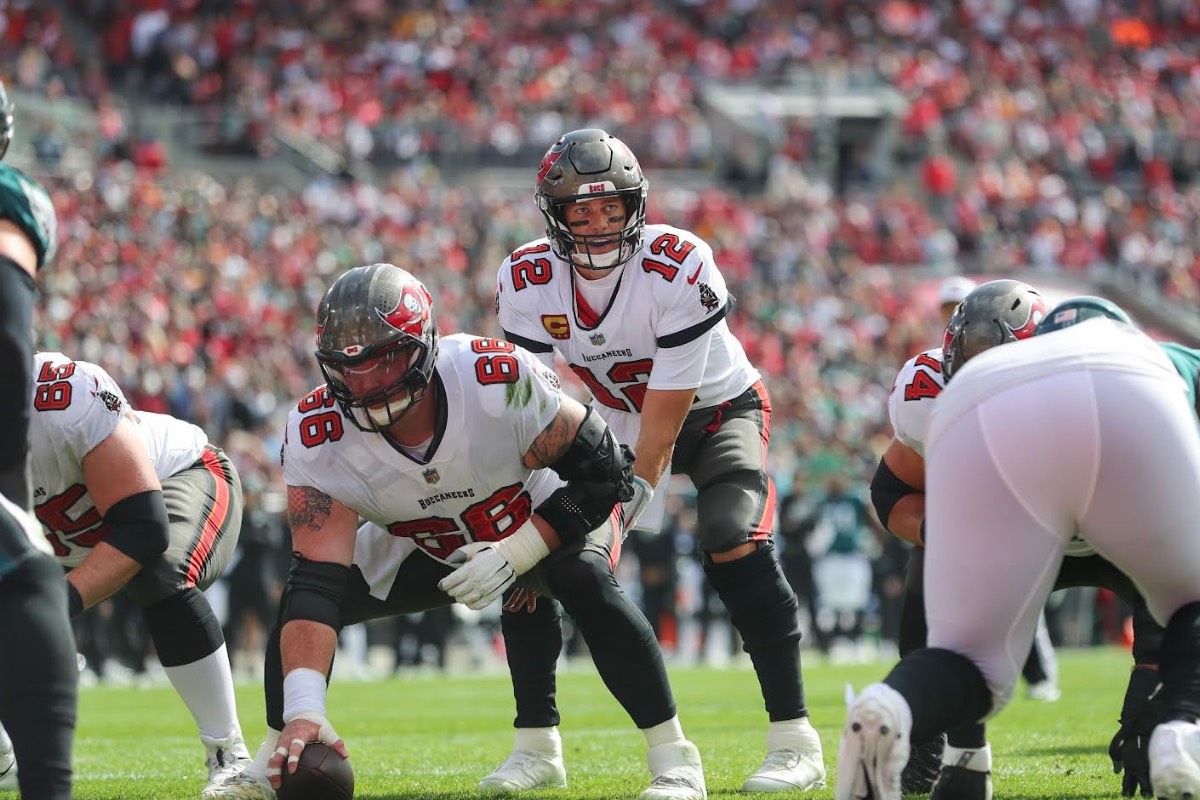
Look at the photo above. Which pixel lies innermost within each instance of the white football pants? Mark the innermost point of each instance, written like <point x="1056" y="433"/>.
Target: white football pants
<point x="1112" y="456"/>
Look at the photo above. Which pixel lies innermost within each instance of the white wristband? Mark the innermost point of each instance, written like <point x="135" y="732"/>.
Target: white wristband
<point x="524" y="548"/>
<point x="303" y="690"/>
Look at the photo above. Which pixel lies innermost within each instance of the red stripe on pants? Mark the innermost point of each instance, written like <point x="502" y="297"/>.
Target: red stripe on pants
<point x="213" y="520"/>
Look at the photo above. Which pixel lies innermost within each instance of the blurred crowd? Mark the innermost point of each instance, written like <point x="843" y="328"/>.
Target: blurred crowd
<point x="1051" y="133"/>
<point x="1054" y="135"/>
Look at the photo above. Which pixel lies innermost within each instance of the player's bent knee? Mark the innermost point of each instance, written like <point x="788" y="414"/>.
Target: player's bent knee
<point x="582" y="581"/>
<point x="184" y="628"/>
<point x="731" y="511"/>
<point x="761" y="603"/>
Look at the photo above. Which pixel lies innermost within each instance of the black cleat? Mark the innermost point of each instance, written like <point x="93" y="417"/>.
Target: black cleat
<point x="921" y="771"/>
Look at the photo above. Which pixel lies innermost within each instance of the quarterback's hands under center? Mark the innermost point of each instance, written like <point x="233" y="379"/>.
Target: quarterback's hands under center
<point x="296" y="735"/>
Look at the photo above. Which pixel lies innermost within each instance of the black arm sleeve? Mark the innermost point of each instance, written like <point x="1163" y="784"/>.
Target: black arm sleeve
<point x="139" y="526"/>
<point x="599" y="474"/>
<point x="16" y="379"/>
<point x="886" y="491"/>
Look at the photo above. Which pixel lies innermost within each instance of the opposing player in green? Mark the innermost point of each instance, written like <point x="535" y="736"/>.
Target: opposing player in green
<point x="38" y="689"/>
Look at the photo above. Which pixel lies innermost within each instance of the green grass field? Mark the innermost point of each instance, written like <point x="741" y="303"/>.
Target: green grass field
<point x="433" y="737"/>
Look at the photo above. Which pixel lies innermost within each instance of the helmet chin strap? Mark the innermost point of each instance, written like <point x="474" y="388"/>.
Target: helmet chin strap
<point x="600" y="260"/>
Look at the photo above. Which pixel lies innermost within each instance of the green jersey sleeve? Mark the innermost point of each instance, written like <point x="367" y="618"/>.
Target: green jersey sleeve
<point x="1187" y="364"/>
<point x="25" y="203"/>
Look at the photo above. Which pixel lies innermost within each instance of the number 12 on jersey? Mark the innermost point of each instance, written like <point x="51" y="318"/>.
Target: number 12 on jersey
<point x="624" y="372"/>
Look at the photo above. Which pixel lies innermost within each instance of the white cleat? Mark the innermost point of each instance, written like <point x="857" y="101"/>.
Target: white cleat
<point x="242" y="785"/>
<point x="228" y="776"/>
<point x="789" y="769"/>
<point x="8" y="771"/>
<point x="523" y="771"/>
<point x="678" y="774"/>
<point x="1046" y="691"/>
<point x="874" y="746"/>
<point x="1175" y="761"/>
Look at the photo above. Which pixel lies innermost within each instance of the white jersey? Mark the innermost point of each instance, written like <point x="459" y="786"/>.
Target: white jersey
<point x="669" y="295"/>
<point x="911" y="402"/>
<point x="1097" y="343"/>
<point x="470" y="485"/>
<point x="76" y="406"/>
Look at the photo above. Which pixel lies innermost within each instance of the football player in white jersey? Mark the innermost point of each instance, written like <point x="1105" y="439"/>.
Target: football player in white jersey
<point x="898" y="493"/>
<point x="638" y="312"/>
<point x="37" y="690"/>
<point x="474" y="473"/>
<point x="992" y="314"/>
<point x="143" y="503"/>
<point x="1038" y="433"/>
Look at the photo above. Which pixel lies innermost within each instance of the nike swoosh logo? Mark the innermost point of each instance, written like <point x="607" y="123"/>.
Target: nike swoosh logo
<point x="692" y="280"/>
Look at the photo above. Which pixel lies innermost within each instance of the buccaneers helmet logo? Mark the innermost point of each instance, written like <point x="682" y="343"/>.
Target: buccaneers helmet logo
<point x="411" y="313"/>
<point x="548" y="162"/>
<point x="1037" y="310"/>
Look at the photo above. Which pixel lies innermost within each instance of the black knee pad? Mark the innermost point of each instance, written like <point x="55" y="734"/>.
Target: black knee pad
<point x="760" y="601"/>
<point x="763" y="608"/>
<point x="184" y="628"/>
<point x="1180" y="665"/>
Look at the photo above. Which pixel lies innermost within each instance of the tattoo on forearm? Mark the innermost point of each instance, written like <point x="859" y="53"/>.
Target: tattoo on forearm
<point x="552" y="443"/>
<point x="308" y="508"/>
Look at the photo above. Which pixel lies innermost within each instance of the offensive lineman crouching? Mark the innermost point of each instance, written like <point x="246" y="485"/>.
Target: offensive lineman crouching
<point x="455" y="450"/>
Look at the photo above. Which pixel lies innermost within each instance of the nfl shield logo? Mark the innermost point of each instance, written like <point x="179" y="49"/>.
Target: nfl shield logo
<point x="597" y="339"/>
<point x="431" y="475"/>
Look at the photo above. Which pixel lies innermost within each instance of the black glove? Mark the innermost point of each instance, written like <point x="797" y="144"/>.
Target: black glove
<point x="1130" y="747"/>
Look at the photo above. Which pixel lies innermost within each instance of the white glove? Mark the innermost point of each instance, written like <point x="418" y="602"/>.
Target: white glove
<point x="482" y="578"/>
<point x="643" y="493"/>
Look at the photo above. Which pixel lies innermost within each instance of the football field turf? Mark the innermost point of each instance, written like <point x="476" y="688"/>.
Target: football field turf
<point x="433" y="737"/>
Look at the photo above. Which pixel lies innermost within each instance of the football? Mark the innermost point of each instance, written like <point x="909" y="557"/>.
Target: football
<point x="322" y="774"/>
